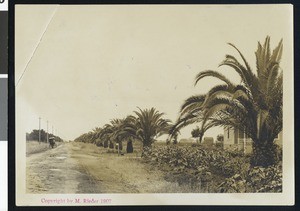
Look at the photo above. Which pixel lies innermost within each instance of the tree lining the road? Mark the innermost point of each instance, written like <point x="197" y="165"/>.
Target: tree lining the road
<point x="146" y="125"/>
<point x="34" y="136"/>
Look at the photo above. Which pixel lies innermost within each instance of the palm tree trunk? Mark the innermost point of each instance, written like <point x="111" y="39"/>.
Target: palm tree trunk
<point x="111" y="145"/>
<point x="265" y="153"/>
<point x="120" y="145"/>
<point x="200" y="138"/>
<point x="147" y="143"/>
<point x="105" y="145"/>
<point x="146" y="146"/>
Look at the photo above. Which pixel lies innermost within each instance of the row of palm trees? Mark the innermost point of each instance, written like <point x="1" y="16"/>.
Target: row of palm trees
<point x="145" y="125"/>
<point x="253" y="105"/>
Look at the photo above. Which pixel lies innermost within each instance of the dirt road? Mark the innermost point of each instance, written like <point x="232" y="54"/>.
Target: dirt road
<point x="85" y="168"/>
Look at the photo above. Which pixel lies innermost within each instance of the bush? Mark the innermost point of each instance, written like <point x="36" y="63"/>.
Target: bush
<point x="219" y="144"/>
<point x="257" y="179"/>
<point x="234" y="184"/>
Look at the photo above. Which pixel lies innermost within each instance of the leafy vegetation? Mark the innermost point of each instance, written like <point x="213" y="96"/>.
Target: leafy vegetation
<point x="221" y="170"/>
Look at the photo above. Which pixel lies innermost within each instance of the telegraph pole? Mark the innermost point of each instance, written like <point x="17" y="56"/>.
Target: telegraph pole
<point x="39" y="129"/>
<point x="47" y="133"/>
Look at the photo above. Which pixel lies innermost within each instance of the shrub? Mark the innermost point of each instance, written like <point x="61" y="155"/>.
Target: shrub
<point x="257" y="179"/>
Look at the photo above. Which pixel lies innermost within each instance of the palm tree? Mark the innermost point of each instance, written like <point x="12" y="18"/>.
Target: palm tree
<point x="253" y="106"/>
<point x="119" y="134"/>
<point x="147" y="125"/>
<point x="197" y="133"/>
<point x="126" y="131"/>
<point x="114" y="133"/>
<point x="106" y="134"/>
<point x="86" y="137"/>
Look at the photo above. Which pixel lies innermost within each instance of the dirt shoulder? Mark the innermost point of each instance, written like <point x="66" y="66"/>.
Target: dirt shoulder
<point x="33" y="147"/>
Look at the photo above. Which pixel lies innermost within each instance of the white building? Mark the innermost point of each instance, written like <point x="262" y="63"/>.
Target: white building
<point x="234" y="138"/>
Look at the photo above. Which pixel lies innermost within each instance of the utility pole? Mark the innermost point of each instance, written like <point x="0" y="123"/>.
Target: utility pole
<point x="39" y="129"/>
<point x="52" y="131"/>
<point x="47" y="133"/>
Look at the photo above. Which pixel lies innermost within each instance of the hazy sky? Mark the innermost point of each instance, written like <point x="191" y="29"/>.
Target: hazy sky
<point x="85" y="65"/>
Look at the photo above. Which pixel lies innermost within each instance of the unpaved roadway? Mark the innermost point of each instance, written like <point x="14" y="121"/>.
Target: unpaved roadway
<point x="84" y="168"/>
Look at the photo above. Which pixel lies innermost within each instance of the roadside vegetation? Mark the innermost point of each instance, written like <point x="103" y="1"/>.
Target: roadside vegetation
<point x="34" y="136"/>
<point x="33" y="145"/>
<point x="254" y="106"/>
<point x="213" y="169"/>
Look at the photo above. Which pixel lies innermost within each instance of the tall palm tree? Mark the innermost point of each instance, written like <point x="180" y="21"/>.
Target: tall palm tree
<point x="126" y="131"/>
<point x="119" y="134"/>
<point x="147" y="125"/>
<point x="253" y="106"/>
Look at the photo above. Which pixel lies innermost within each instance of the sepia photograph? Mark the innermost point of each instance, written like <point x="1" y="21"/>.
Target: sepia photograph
<point x="154" y="105"/>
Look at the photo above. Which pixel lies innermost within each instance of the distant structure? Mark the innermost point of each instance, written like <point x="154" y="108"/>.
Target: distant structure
<point x="235" y="138"/>
<point x="187" y="140"/>
<point x="208" y="141"/>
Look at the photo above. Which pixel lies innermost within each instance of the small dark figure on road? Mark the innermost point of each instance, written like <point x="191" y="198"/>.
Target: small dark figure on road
<point x="51" y="142"/>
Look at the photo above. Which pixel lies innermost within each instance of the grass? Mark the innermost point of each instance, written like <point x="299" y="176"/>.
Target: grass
<point x="33" y="147"/>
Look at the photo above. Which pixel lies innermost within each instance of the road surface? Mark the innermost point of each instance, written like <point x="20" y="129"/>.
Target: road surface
<point x="84" y="168"/>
